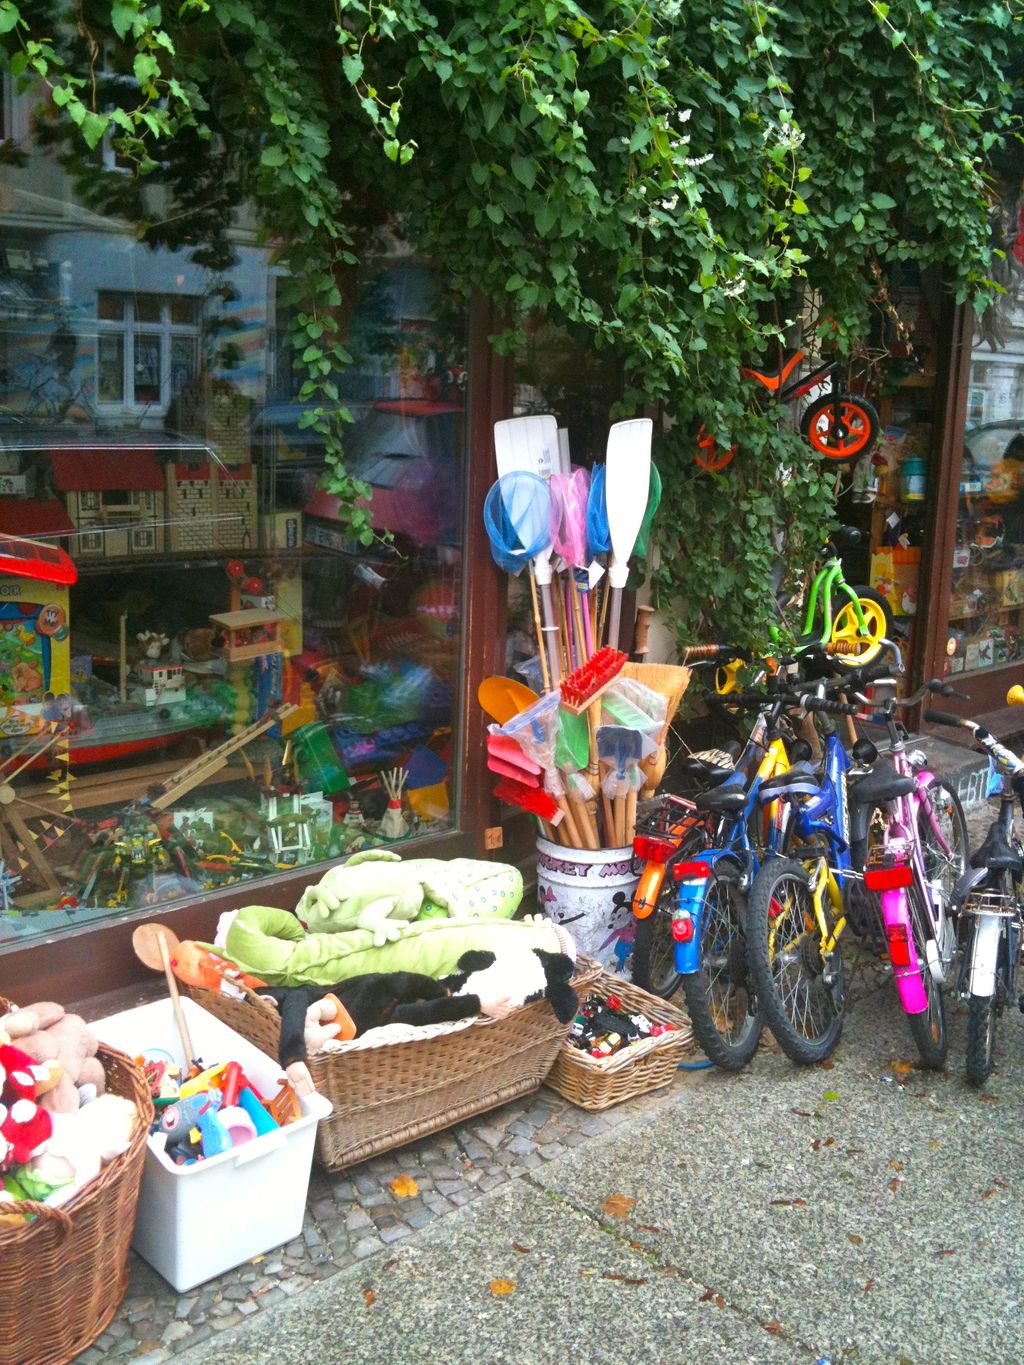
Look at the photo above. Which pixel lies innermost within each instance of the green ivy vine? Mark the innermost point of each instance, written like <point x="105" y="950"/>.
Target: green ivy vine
<point x="664" y="180"/>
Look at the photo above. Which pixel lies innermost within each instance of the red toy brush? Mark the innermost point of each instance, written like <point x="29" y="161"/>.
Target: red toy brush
<point x="536" y="801"/>
<point x="586" y="684"/>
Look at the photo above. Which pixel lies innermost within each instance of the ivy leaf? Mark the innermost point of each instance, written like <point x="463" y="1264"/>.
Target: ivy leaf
<point x="123" y="16"/>
<point x="883" y="201"/>
<point x="352" y="65"/>
<point x="857" y="222"/>
<point x="798" y="205"/>
<point x="524" y="168"/>
<point x="273" y="156"/>
<point x="495" y="213"/>
<point x="93" y="128"/>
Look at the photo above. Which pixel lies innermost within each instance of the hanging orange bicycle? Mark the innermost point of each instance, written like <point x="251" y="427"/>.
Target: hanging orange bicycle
<point x="838" y="424"/>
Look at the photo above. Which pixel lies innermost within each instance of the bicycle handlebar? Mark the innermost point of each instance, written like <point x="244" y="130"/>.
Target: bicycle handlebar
<point x="706" y="653"/>
<point x="830" y="707"/>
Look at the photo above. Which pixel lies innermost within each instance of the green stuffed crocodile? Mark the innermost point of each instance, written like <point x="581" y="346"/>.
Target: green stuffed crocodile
<point x="376" y="891"/>
<point x="272" y="945"/>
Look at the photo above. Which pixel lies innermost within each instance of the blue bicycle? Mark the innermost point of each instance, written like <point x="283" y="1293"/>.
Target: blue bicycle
<point x="700" y="857"/>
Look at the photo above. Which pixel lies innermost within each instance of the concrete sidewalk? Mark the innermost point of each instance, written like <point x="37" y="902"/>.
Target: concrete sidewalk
<point x="859" y="1211"/>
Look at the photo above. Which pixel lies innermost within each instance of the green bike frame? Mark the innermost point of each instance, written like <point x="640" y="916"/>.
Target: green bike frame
<point x="829" y="576"/>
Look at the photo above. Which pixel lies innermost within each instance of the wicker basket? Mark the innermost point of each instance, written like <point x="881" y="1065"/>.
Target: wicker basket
<point x="63" y="1275"/>
<point x="599" y="1082"/>
<point x="414" y="1081"/>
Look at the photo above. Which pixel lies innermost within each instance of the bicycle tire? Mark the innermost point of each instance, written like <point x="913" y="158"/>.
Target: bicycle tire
<point x="936" y="864"/>
<point x="929" y="1029"/>
<point x="981" y="1038"/>
<point x="709" y="1005"/>
<point x="879" y="619"/>
<point x="654" y="958"/>
<point x="858" y="417"/>
<point x="804" y="1012"/>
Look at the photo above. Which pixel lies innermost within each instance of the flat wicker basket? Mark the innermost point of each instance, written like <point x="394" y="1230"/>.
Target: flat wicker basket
<point x="63" y="1275"/>
<point x="413" y="1081"/>
<point x="600" y="1082"/>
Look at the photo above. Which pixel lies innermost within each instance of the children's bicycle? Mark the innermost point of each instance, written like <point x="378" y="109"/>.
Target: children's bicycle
<point x="849" y="622"/>
<point x="991" y="899"/>
<point x="838" y="424"/>
<point x="699" y="859"/>
<point x="796" y="910"/>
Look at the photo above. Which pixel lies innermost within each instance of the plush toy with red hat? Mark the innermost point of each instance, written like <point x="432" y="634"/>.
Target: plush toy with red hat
<point x="24" y="1125"/>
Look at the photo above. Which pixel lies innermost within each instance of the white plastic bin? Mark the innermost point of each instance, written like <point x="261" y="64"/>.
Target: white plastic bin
<point x="195" y="1222"/>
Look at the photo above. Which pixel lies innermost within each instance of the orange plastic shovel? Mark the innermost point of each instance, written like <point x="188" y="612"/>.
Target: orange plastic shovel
<point x="503" y="698"/>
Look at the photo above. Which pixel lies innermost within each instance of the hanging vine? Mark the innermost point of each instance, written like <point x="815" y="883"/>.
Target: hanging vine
<point x="661" y="179"/>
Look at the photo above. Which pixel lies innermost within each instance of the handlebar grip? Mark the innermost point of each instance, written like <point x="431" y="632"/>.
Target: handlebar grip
<point x="942" y="718"/>
<point x="872" y="672"/>
<point x="832" y="708"/>
<point x="694" y="653"/>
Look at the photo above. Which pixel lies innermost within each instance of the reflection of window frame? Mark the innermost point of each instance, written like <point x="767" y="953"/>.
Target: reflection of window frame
<point x="128" y="329"/>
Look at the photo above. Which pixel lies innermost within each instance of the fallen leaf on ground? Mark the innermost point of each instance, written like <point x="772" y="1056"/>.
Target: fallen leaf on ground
<point x="826" y="1064"/>
<point x="989" y="1099"/>
<point x="1002" y="1184"/>
<point x="623" y="1279"/>
<point x="719" y="1301"/>
<point x="707" y="1296"/>
<point x="901" y="1068"/>
<point x="404" y="1187"/>
<point x="803" y="1113"/>
<point x="870" y="1285"/>
<point x="854" y="1238"/>
<point x="896" y="1165"/>
<point x="831" y="1095"/>
<point x="500" y="1287"/>
<point x="619" y="1205"/>
<point x="946" y="1251"/>
<point x="895" y="1183"/>
<point x="987" y="1194"/>
<point x="523" y="1251"/>
<point x="795" y="1203"/>
<point x="390" y="1265"/>
<point x="370" y="1297"/>
<point x="648" y="1227"/>
<point x="855" y="1151"/>
<point x="774" y="1326"/>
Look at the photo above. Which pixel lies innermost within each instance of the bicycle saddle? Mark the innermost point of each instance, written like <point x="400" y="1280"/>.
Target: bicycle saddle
<point x="882" y="783"/>
<point x="712" y="766"/>
<point x="997" y="854"/>
<point x="726" y="799"/>
<point x="799" y="780"/>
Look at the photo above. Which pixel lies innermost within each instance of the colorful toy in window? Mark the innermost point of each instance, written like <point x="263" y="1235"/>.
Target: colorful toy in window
<point x="35" y="654"/>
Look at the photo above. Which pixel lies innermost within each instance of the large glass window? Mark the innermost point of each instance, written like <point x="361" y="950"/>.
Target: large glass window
<point x="203" y="679"/>
<point x="986" y="615"/>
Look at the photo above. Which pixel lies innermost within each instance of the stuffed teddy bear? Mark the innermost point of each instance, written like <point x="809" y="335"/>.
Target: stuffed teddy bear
<point x="377" y="891"/>
<point x="48" y="1035"/>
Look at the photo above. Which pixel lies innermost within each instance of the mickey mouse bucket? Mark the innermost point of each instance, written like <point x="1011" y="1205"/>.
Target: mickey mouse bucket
<point x="590" y="893"/>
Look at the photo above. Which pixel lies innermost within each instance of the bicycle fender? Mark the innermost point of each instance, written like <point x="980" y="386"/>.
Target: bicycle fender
<point x="690" y="903"/>
<point x="896" y="914"/>
<point x="648" y="889"/>
<point x="983" y="955"/>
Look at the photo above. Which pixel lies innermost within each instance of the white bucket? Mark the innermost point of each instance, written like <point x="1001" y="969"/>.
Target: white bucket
<point x="590" y="893"/>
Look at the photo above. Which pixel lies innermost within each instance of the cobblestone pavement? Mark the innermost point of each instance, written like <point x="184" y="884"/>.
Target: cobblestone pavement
<point x="355" y="1214"/>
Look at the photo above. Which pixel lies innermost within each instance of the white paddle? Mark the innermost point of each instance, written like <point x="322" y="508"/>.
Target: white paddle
<point x="531" y="443"/>
<point x="627" y="481"/>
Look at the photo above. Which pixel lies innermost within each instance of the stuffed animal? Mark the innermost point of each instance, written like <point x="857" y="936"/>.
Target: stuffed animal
<point x="483" y="983"/>
<point x="49" y="1035"/>
<point x="376" y="890"/>
<point x="270" y="943"/>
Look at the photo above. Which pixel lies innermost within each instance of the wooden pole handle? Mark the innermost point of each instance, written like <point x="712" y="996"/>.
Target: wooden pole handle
<point x="643" y="627"/>
<point x="179" y="1013"/>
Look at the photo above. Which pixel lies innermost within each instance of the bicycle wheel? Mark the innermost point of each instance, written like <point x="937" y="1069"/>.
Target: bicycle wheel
<point x="928" y="1029"/>
<point x="654" y="948"/>
<point x="878" y="619"/>
<point x="844" y="434"/>
<point x="801" y="997"/>
<point x="981" y="1038"/>
<point x="944" y="868"/>
<point x="720" y="995"/>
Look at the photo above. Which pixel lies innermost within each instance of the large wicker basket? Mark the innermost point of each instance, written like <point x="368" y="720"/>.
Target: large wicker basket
<point x="63" y="1275"/>
<point x="599" y="1082"/>
<point x="418" y="1080"/>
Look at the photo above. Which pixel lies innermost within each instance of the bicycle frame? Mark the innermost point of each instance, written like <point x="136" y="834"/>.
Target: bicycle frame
<point x="777" y="383"/>
<point x="830" y="576"/>
<point x="733" y="851"/>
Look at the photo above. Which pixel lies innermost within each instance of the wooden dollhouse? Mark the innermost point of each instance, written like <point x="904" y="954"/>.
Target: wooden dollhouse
<point x="211" y="507"/>
<point x="115" y="499"/>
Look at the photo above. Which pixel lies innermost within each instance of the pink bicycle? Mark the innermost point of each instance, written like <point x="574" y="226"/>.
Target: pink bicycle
<point x="910" y="825"/>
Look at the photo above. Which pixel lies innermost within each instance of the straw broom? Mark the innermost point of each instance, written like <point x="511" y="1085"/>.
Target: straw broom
<point x="671" y="682"/>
